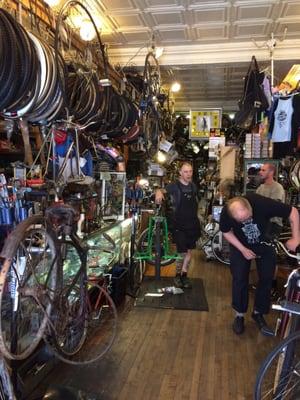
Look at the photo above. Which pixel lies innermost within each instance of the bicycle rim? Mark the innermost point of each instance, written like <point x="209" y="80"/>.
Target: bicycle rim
<point x="278" y="377"/>
<point x="27" y="282"/>
<point x="69" y="316"/>
<point x="101" y="328"/>
<point x="220" y="248"/>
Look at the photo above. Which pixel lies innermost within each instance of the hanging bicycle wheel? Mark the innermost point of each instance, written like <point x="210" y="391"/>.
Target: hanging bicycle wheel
<point x="78" y="83"/>
<point x="27" y="284"/>
<point x="152" y="79"/>
<point x="220" y="248"/>
<point x="278" y="377"/>
<point x="143" y="247"/>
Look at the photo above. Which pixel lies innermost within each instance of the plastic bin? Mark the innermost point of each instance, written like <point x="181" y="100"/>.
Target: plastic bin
<point x="119" y="284"/>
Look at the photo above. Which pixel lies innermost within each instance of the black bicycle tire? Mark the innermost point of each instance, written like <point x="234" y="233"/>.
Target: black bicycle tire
<point x="135" y="273"/>
<point x="268" y="360"/>
<point x="10" y="70"/>
<point x="60" y="18"/>
<point x="29" y="64"/>
<point x="15" y="239"/>
<point x="6" y="386"/>
<point x="146" y="78"/>
<point x="164" y="262"/>
<point x="63" y="296"/>
<point x="217" y="255"/>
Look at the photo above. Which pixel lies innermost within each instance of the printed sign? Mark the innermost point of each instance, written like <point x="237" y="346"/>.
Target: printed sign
<point x="202" y="121"/>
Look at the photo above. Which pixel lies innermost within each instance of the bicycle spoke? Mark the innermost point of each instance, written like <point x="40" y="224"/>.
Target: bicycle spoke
<point x="279" y="376"/>
<point x="25" y="282"/>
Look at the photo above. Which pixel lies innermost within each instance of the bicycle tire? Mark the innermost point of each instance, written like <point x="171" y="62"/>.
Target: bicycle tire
<point x="68" y="318"/>
<point x="60" y="19"/>
<point x="6" y="386"/>
<point x="27" y="283"/>
<point x="142" y="245"/>
<point x="282" y="383"/>
<point x="101" y="330"/>
<point x="151" y="76"/>
<point x="136" y="269"/>
<point x="220" y="248"/>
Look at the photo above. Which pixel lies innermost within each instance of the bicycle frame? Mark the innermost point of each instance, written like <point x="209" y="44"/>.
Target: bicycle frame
<point x="147" y="255"/>
<point x="289" y="307"/>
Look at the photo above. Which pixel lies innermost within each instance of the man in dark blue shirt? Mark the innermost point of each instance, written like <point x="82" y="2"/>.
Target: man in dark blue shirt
<point x="244" y="222"/>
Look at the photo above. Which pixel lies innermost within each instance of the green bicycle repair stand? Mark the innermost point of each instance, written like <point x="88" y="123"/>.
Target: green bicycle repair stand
<point x="148" y="254"/>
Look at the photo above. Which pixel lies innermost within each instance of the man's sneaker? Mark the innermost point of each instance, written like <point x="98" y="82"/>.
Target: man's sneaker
<point x="262" y="325"/>
<point x="186" y="283"/>
<point x="178" y="282"/>
<point x="238" y="325"/>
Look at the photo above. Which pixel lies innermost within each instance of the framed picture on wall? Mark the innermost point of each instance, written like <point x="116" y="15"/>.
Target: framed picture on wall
<point x="251" y="172"/>
<point x="203" y="121"/>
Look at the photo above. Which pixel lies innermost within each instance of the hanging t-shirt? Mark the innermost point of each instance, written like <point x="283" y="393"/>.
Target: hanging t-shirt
<point x="282" y="130"/>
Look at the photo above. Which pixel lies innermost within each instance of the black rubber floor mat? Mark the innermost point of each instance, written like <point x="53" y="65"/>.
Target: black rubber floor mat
<point x="191" y="299"/>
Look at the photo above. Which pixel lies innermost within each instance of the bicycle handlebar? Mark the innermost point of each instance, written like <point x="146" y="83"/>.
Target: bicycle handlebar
<point x="288" y="253"/>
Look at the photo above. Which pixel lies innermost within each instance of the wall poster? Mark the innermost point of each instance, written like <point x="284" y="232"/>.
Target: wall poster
<point x="202" y="121"/>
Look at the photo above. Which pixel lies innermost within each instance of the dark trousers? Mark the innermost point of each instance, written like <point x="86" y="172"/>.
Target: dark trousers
<point x="240" y="267"/>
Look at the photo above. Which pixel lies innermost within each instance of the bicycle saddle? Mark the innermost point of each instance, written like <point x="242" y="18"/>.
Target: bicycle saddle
<point x="62" y="216"/>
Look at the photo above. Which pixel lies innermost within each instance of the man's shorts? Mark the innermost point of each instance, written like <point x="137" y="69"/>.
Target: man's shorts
<point x="185" y="240"/>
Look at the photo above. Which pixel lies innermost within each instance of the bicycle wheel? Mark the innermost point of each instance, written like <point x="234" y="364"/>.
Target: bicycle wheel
<point x="278" y="376"/>
<point x="100" y="328"/>
<point x="136" y="269"/>
<point x="27" y="283"/>
<point x="152" y="78"/>
<point x="220" y="248"/>
<point x="6" y="387"/>
<point x="102" y="325"/>
<point x="69" y="314"/>
<point x="142" y="247"/>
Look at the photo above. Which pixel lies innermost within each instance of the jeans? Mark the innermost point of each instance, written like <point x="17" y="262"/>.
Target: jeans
<point x="240" y="267"/>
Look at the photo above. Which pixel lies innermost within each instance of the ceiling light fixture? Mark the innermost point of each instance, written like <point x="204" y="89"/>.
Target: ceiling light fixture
<point x="158" y="52"/>
<point x="143" y="182"/>
<point x="52" y="3"/>
<point x="161" y="157"/>
<point x="87" y="31"/>
<point x="175" y="87"/>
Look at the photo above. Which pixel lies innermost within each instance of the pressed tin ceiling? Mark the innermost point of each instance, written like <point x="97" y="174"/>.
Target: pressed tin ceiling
<point x="207" y="44"/>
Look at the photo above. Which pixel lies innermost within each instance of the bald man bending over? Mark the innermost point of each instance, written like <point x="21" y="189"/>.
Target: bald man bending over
<point x="244" y="222"/>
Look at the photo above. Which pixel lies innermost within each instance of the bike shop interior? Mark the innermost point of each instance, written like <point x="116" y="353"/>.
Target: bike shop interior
<point x="101" y="102"/>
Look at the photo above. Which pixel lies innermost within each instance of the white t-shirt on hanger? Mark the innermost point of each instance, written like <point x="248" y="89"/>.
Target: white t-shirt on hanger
<point x="282" y="130"/>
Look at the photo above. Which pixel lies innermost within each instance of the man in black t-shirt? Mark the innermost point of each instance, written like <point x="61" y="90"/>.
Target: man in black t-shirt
<point x="244" y="223"/>
<point x="185" y="223"/>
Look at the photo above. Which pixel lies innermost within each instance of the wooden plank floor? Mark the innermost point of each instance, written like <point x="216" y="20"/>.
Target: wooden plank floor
<point x="177" y="355"/>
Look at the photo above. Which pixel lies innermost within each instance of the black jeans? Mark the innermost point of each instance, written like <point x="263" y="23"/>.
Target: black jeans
<point x="240" y="267"/>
